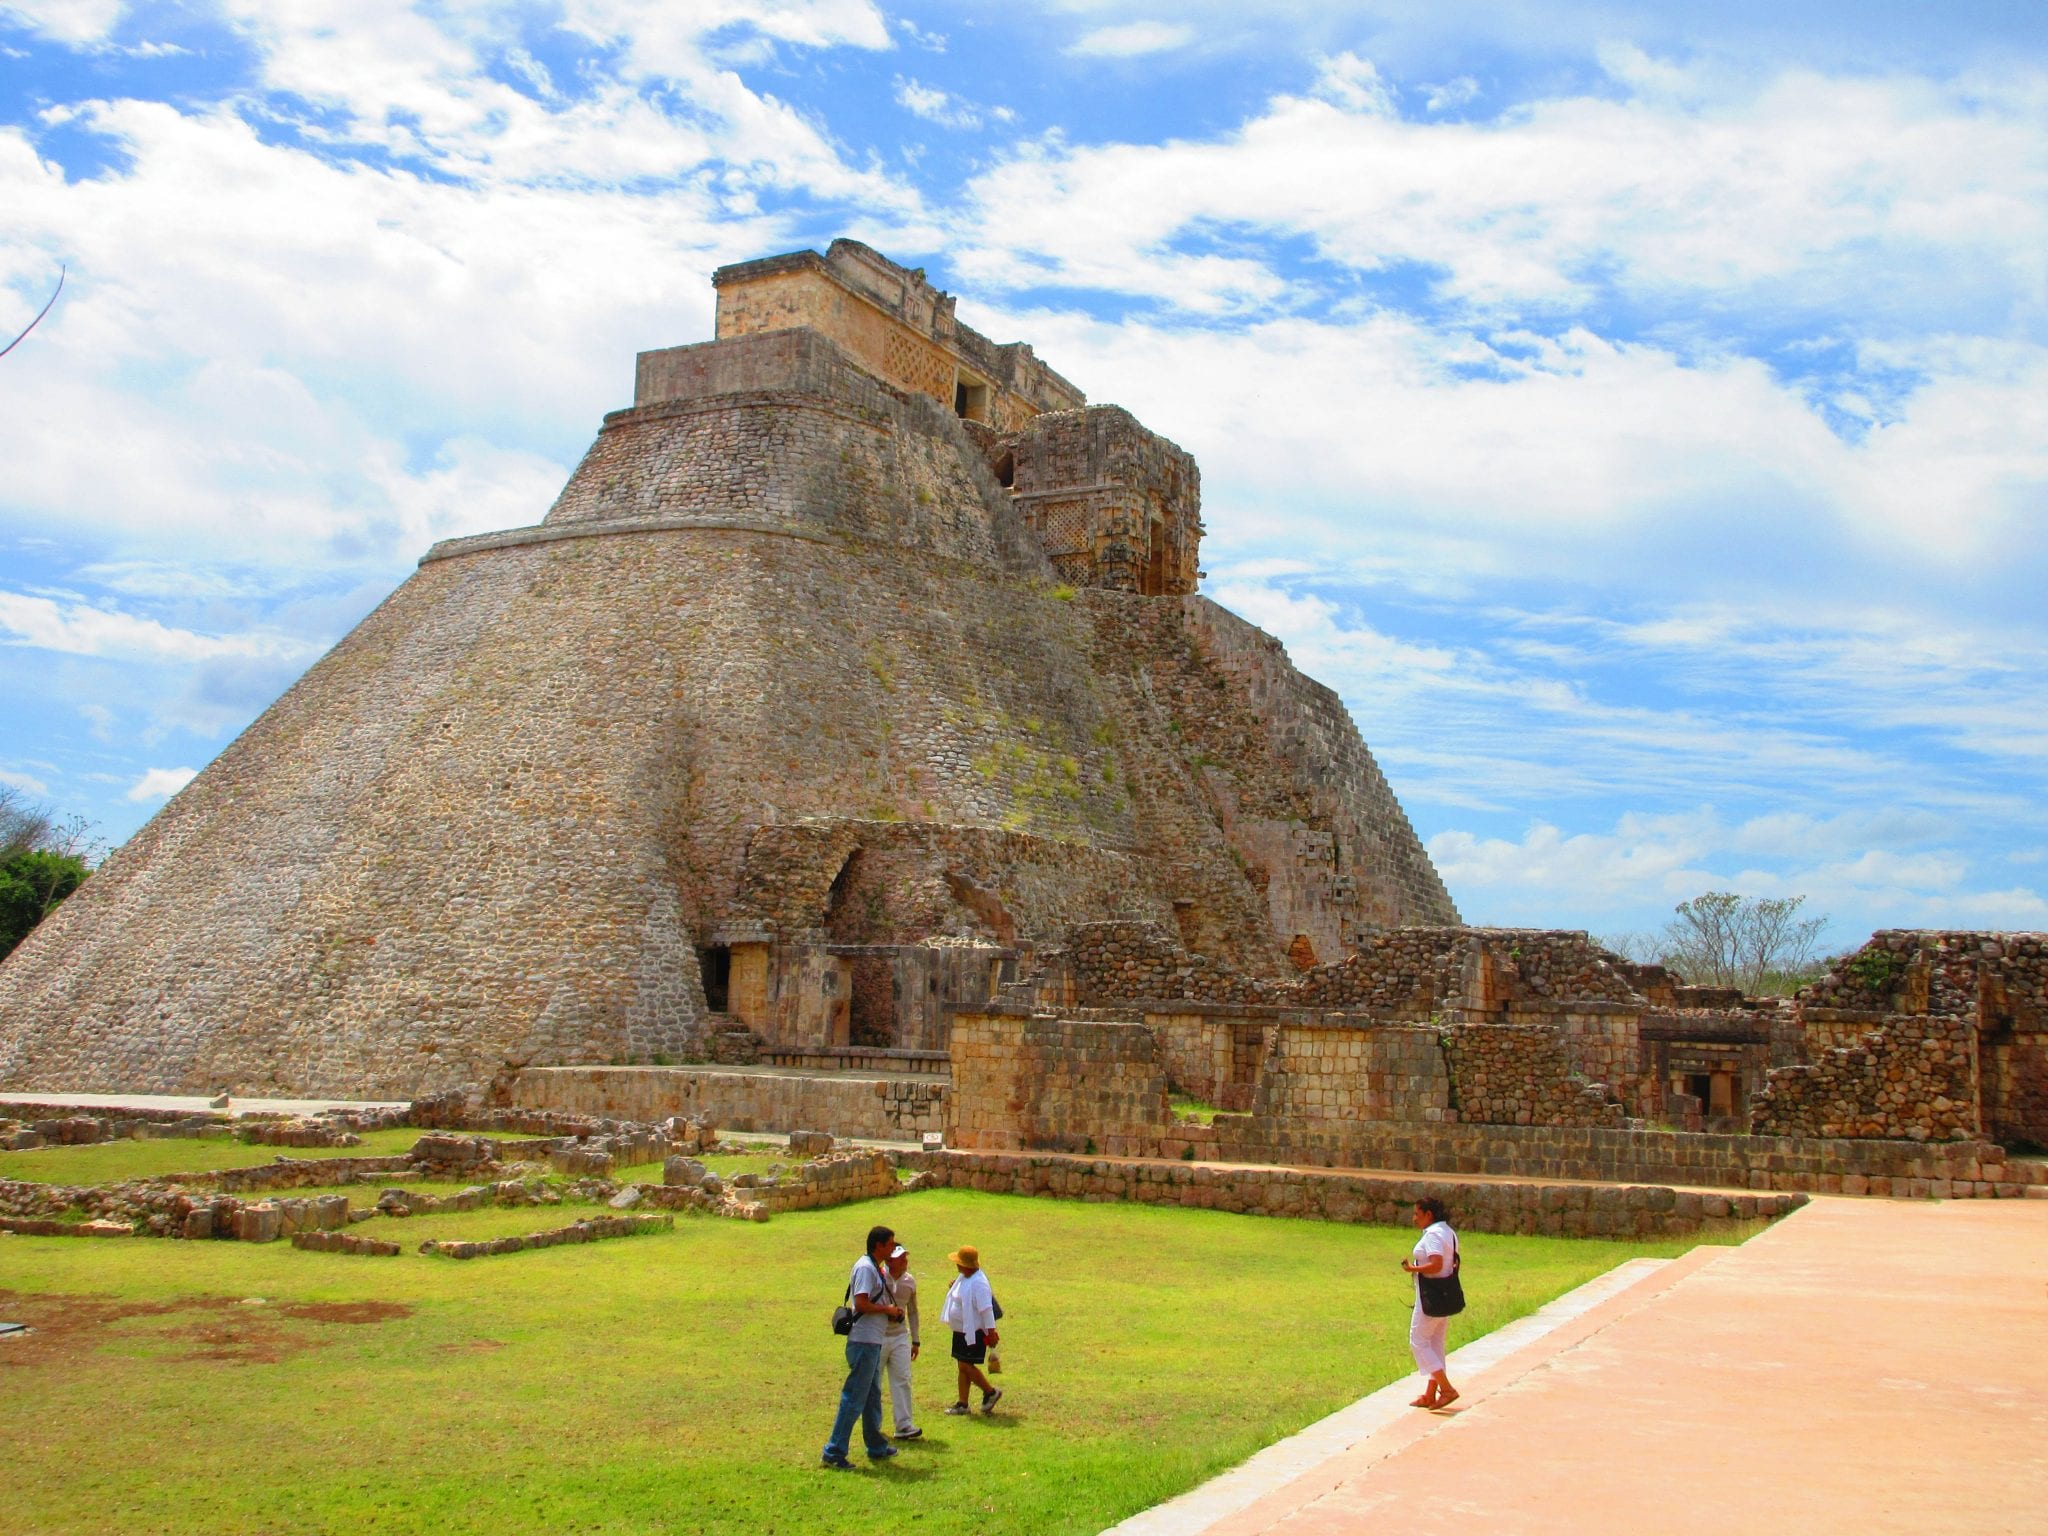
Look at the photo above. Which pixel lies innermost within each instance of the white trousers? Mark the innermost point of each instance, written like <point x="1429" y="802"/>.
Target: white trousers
<point x="1426" y="1336"/>
<point x="896" y="1361"/>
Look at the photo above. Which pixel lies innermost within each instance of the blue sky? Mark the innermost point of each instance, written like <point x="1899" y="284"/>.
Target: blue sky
<point x="1638" y="413"/>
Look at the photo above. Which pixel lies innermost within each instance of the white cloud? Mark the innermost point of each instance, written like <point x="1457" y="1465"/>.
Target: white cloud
<point x="82" y="630"/>
<point x="1131" y="39"/>
<point x="100" y="721"/>
<point x="161" y="783"/>
<point x="27" y="783"/>
<point x="1449" y="95"/>
<point x="1653" y="862"/>
<point x="935" y="105"/>
<point x="1354" y="84"/>
<point x="78" y="23"/>
<point x="1782" y="191"/>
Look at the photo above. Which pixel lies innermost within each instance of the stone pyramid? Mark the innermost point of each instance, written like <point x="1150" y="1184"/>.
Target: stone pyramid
<point x="858" y="660"/>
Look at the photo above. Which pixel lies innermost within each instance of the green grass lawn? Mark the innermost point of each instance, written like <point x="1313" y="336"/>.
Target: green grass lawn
<point x="684" y="1382"/>
<point x="107" y="1161"/>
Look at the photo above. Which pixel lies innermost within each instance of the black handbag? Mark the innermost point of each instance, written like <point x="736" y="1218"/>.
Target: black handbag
<point x="1442" y="1295"/>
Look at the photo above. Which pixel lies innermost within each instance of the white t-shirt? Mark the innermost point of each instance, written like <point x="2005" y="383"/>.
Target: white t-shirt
<point x="868" y="1327"/>
<point x="1437" y="1241"/>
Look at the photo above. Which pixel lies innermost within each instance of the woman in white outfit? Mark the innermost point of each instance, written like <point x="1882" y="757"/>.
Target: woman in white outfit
<point x="1435" y="1255"/>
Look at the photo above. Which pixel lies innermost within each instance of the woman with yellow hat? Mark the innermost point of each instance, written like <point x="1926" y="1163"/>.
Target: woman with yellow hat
<point x="970" y="1311"/>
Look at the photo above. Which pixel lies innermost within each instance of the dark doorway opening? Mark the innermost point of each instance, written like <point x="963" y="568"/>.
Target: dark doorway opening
<point x="872" y="1017"/>
<point x="714" y="964"/>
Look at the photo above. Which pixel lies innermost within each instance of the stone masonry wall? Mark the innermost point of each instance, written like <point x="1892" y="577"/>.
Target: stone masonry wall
<point x="1353" y="864"/>
<point x="1063" y="1083"/>
<point x="1519" y="1074"/>
<point x="1563" y="1210"/>
<point x="1912" y="1079"/>
<point x="1347" y="1071"/>
<point x="867" y="1107"/>
<point x="1412" y="974"/>
<point x="2000" y="980"/>
<point x="1027" y="1083"/>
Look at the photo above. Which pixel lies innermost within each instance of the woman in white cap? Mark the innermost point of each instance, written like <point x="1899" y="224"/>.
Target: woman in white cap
<point x="970" y="1311"/>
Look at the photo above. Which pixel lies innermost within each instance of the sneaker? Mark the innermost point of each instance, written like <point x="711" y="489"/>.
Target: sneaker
<point x="883" y="1454"/>
<point x="836" y="1463"/>
<point x="912" y="1433"/>
<point x="990" y="1399"/>
<point x="959" y="1408"/>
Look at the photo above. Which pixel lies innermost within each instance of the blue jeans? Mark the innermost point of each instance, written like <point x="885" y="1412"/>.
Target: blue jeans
<point x="861" y="1397"/>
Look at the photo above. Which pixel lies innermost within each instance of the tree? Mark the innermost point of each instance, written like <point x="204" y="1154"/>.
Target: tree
<point x="42" y="861"/>
<point x="1756" y="943"/>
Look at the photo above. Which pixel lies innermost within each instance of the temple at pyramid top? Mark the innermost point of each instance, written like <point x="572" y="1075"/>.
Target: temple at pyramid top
<point x="894" y="324"/>
<point x="1114" y="505"/>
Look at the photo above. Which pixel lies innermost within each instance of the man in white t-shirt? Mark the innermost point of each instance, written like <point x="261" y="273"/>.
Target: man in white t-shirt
<point x="900" y="1342"/>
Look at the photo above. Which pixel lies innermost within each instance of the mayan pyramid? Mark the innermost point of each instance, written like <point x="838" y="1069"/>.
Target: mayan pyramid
<point x="858" y="660"/>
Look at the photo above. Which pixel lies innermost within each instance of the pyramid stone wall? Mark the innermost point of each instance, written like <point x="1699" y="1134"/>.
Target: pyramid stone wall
<point x="782" y="620"/>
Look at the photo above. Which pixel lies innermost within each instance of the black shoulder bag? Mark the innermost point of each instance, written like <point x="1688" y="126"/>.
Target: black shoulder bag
<point x="1442" y="1295"/>
<point x="843" y="1314"/>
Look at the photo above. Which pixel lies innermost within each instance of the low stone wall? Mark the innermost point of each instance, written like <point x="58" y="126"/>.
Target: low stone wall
<point x="596" y="1229"/>
<point x="1565" y="1210"/>
<point x="1911" y="1079"/>
<point x="345" y="1242"/>
<point x="1520" y="1074"/>
<point x="846" y="1104"/>
<point x="839" y="1179"/>
<point x="858" y="1058"/>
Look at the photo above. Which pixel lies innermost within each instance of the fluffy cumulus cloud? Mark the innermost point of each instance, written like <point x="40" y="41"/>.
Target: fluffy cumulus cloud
<point x="1132" y="39"/>
<point x="1642" y="423"/>
<point x="160" y="784"/>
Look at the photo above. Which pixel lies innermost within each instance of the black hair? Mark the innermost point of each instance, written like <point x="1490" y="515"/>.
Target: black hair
<point x="1434" y="1206"/>
<point x="878" y="1235"/>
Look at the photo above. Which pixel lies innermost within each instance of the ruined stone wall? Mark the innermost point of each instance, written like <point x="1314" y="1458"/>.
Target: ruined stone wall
<point x="866" y="1106"/>
<point x="1340" y="859"/>
<point x="1213" y="1055"/>
<point x="1911" y="1079"/>
<point x="1352" y="1070"/>
<point x="1027" y="1083"/>
<point x="1997" y="980"/>
<point x="1414" y="974"/>
<point x="1520" y="1074"/>
<point x="1114" y="505"/>
<point x="1476" y="1205"/>
<point x="1022" y="1081"/>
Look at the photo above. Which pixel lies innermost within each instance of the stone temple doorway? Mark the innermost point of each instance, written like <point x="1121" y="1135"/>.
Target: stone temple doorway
<point x="871" y="1018"/>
